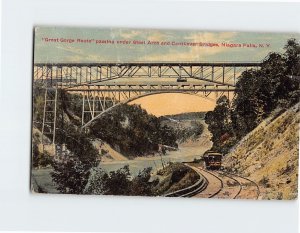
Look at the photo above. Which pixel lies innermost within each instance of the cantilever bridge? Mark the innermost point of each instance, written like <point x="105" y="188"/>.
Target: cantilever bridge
<point x="105" y="85"/>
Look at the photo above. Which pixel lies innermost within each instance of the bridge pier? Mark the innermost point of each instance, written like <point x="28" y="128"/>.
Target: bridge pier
<point x="49" y="115"/>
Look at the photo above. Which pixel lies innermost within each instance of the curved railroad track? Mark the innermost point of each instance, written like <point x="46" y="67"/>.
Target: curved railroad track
<point x="226" y="186"/>
<point x="249" y="188"/>
<point x="191" y="190"/>
<point x="217" y="184"/>
<point x="214" y="184"/>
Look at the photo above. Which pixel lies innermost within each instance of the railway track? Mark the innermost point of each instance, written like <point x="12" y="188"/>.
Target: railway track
<point x="249" y="188"/>
<point x="235" y="181"/>
<point x="192" y="190"/>
<point x="216" y="184"/>
<point x="227" y="186"/>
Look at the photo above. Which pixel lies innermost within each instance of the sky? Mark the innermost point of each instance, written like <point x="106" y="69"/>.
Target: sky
<point x="174" y="103"/>
<point x="59" y="49"/>
<point x="92" y="52"/>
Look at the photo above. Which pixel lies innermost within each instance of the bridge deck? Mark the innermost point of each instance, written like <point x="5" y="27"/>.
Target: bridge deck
<point x="76" y="74"/>
<point x="171" y="63"/>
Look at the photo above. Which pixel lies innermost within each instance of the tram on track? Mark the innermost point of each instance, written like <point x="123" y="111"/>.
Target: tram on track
<point x="181" y="80"/>
<point x="212" y="160"/>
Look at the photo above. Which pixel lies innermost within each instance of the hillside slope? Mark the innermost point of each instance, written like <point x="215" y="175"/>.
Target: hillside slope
<point x="269" y="155"/>
<point x="107" y="152"/>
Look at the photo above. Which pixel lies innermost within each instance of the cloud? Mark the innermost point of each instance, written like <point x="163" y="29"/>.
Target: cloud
<point x="130" y="34"/>
<point x="158" y="36"/>
<point x="193" y="53"/>
<point x="79" y="55"/>
<point x="93" y="53"/>
<point x="210" y="36"/>
<point x="70" y="49"/>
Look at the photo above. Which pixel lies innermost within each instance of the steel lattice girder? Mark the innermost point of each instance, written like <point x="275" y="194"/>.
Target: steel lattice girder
<point x="73" y="74"/>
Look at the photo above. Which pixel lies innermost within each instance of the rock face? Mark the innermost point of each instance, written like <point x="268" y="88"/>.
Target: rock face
<point x="107" y="153"/>
<point x="37" y="140"/>
<point x="269" y="155"/>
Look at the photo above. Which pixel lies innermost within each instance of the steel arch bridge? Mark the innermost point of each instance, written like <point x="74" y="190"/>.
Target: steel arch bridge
<point x="104" y="86"/>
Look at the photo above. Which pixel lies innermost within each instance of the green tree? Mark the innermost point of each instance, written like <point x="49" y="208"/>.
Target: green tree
<point x="70" y="176"/>
<point x="292" y="56"/>
<point x="141" y="184"/>
<point x="258" y="93"/>
<point x="219" y="122"/>
<point x="97" y="182"/>
<point x="71" y="172"/>
<point x="118" y="182"/>
<point x="247" y="106"/>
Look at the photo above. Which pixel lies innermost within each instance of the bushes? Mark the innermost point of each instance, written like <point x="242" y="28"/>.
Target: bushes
<point x="174" y="177"/>
<point x="132" y="131"/>
<point x="141" y="184"/>
<point x="40" y="159"/>
<point x="71" y="172"/>
<point x="184" y="133"/>
<point x="178" y="174"/>
<point x="119" y="182"/>
<point x="70" y="175"/>
<point x="265" y="182"/>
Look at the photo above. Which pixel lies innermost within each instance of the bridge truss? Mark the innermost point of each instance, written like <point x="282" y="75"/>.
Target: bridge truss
<point x="74" y="74"/>
<point x="100" y="90"/>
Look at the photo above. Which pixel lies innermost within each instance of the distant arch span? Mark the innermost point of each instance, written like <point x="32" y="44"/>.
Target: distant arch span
<point x="145" y="95"/>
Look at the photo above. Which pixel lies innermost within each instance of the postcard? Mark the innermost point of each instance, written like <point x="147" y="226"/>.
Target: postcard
<point x="165" y="113"/>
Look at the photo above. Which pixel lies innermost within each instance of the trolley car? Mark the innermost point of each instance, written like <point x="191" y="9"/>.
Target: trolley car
<point x="213" y="160"/>
<point x="181" y="79"/>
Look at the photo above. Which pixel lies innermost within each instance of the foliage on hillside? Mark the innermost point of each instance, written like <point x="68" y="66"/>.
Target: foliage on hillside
<point x="184" y="129"/>
<point x="268" y="155"/>
<point x="132" y="131"/>
<point x="174" y="177"/>
<point x="39" y="158"/>
<point x="71" y="171"/>
<point x="258" y="93"/>
<point x="129" y="129"/>
<point x="119" y="182"/>
<point x="186" y="116"/>
<point x="219" y="124"/>
<point x="38" y="97"/>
